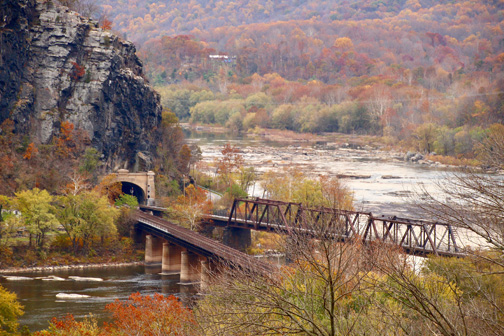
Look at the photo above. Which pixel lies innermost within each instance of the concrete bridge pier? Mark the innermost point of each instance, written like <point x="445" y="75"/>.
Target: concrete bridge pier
<point x="153" y="250"/>
<point x="205" y="275"/>
<point x="237" y="238"/>
<point x="171" y="262"/>
<point x="190" y="268"/>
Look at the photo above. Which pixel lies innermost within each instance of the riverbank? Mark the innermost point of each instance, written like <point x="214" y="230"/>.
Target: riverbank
<point x="331" y="141"/>
<point x="15" y="270"/>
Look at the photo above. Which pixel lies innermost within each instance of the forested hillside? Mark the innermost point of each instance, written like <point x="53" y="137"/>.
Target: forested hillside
<point x="433" y="69"/>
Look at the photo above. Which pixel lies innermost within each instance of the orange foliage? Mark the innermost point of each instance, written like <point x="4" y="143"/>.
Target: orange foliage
<point x="230" y="161"/>
<point x="150" y="315"/>
<point x="106" y="24"/>
<point x="139" y="315"/>
<point x="65" y="144"/>
<point x="110" y="187"/>
<point x="190" y="207"/>
<point x="30" y="151"/>
<point x="69" y="326"/>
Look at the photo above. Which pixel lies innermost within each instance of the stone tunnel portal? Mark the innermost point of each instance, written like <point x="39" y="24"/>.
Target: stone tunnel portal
<point x="139" y="184"/>
<point x="129" y="188"/>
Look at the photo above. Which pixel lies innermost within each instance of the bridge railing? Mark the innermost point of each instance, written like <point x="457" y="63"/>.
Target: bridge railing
<point x="415" y="236"/>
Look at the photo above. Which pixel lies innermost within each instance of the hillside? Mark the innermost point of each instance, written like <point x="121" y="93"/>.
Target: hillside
<point x="381" y="67"/>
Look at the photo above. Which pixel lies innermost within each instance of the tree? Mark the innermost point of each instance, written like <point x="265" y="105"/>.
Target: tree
<point x="294" y="186"/>
<point x="86" y="216"/>
<point x="190" y="207"/>
<point x="105" y="23"/>
<point x="154" y="315"/>
<point x="172" y="158"/>
<point x="38" y="213"/>
<point x="110" y="187"/>
<point x="78" y="183"/>
<point x="318" y="293"/>
<point x="9" y="223"/>
<point x="247" y="177"/>
<point x="150" y="315"/>
<point x="10" y="310"/>
<point x="229" y="163"/>
<point x="492" y="147"/>
<point x="429" y="302"/>
<point x="98" y="218"/>
<point x="425" y="135"/>
<point x="68" y="326"/>
<point x="473" y="204"/>
<point x="336" y="194"/>
<point x="90" y="161"/>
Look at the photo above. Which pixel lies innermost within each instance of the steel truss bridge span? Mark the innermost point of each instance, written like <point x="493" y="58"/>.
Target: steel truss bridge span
<point x="416" y="237"/>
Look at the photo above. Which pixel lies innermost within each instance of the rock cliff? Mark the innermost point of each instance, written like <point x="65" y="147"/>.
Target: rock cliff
<point x="56" y="65"/>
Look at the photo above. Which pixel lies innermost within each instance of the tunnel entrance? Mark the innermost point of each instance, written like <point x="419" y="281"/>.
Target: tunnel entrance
<point x="132" y="189"/>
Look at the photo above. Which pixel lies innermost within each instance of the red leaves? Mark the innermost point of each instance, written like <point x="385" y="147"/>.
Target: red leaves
<point x="150" y="315"/>
<point x="106" y="24"/>
<point x="155" y="315"/>
<point x="78" y="71"/>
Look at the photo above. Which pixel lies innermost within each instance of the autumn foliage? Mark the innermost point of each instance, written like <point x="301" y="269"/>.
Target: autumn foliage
<point x="150" y="316"/>
<point x="155" y="315"/>
<point x="368" y="67"/>
<point x="105" y="23"/>
<point x="78" y="71"/>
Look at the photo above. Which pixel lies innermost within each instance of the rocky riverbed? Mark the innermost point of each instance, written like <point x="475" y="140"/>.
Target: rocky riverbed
<point x="382" y="180"/>
<point x="318" y="159"/>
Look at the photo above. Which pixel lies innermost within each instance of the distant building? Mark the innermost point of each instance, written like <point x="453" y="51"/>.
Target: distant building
<point x="222" y="58"/>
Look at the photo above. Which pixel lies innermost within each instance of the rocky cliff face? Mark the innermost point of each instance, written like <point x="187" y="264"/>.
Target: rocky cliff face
<point x="56" y="65"/>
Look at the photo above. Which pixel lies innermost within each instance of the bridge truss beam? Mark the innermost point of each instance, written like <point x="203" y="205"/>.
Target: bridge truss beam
<point x="414" y="236"/>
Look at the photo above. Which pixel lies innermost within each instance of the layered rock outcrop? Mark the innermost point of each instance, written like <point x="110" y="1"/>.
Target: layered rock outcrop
<point x="56" y="65"/>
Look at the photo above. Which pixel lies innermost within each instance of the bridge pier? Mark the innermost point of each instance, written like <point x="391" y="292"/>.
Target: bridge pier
<point x="205" y="275"/>
<point x="237" y="238"/>
<point x="190" y="267"/>
<point x="153" y="250"/>
<point x="171" y="262"/>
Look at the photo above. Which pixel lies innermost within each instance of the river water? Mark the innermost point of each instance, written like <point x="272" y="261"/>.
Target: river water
<point x="41" y="303"/>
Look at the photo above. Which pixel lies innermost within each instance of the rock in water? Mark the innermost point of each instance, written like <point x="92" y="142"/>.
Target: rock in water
<point x="58" y="66"/>
<point x="71" y="296"/>
<point x="17" y="278"/>
<point x="78" y="278"/>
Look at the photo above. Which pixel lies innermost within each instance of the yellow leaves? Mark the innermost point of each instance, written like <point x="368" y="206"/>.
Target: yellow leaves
<point x="480" y="109"/>
<point x="343" y="43"/>
<point x="10" y="310"/>
<point x="294" y="186"/>
<point x="192" y="206"/>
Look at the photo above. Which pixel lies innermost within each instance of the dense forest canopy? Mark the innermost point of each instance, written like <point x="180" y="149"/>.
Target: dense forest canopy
<point x="380" y="67"/>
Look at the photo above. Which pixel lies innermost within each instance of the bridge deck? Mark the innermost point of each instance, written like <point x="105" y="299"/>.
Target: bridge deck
<point x="416" y="237"/>
<point x="200" y="244"/>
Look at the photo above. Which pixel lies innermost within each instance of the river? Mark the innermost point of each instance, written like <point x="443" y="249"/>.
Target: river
<point x="41" y="304"/>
